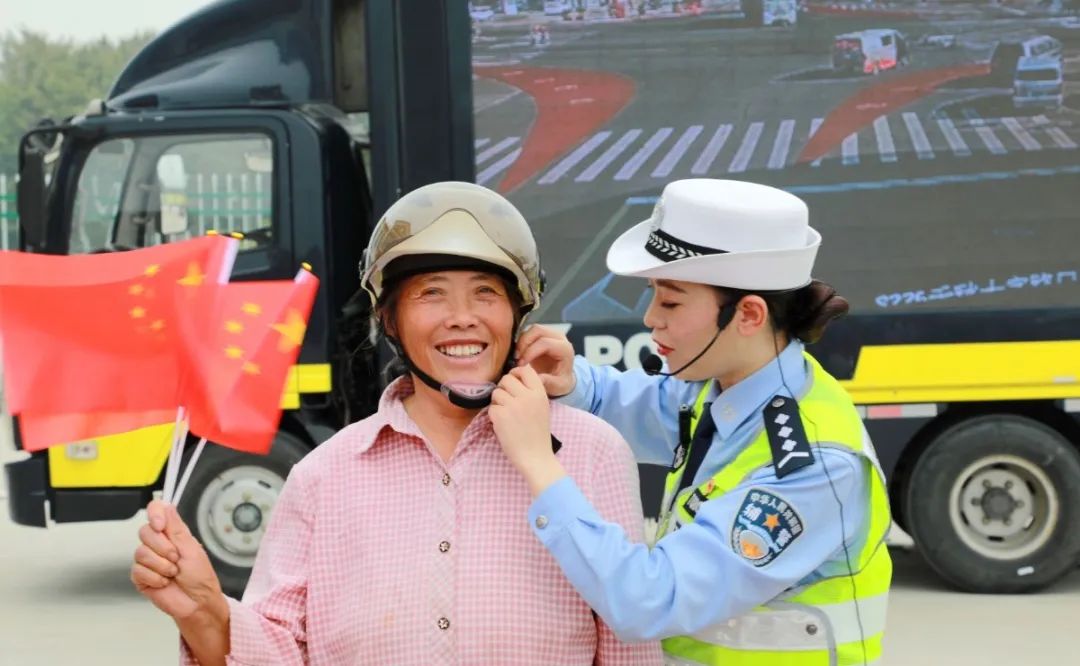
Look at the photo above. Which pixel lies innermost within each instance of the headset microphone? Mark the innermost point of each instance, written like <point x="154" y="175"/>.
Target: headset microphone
<point x="652" y="363"/>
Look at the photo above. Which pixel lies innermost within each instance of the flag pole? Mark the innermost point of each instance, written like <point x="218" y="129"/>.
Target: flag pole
<point x="172" y="468"/>
<point x="187" y="470"/>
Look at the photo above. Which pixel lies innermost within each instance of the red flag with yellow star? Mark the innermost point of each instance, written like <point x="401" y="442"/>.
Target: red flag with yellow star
<point x="90" y="348"/>
<point x="241" y="357"/>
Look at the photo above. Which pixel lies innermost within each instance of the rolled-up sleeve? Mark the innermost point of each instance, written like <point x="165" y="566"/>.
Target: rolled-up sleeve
<point x="270" y="625"/>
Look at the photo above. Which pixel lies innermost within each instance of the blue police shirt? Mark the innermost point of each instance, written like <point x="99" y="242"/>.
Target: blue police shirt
<point x="697" y="576"/>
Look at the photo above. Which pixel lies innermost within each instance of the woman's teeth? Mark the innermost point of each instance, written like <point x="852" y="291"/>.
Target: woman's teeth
<point x="461" y="350"/>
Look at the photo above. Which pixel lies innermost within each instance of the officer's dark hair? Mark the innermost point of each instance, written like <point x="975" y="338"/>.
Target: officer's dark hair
<point x="800" y="313"/>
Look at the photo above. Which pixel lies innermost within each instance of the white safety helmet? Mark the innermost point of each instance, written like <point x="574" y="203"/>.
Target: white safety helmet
<point x="451" y="225"/>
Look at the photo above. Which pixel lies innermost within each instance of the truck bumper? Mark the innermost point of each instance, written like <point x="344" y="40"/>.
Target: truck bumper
<point x="27" y="484"/>
<point x="26" y="491"/>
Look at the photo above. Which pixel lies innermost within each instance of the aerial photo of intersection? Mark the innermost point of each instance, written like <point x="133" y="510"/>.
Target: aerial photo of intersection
<point x="919" y="133"/>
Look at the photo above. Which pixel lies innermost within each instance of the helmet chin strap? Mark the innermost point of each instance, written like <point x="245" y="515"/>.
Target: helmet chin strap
<point x="456" y="398"/>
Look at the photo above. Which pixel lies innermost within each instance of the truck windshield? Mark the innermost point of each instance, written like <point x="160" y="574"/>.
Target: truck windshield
<point x="135" y="192"/>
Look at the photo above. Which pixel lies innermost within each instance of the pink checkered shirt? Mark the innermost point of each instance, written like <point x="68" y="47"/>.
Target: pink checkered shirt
<point x="378" y="552"/>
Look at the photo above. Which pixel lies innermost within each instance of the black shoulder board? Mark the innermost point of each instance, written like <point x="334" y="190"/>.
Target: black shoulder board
<point x="787" y="438"/>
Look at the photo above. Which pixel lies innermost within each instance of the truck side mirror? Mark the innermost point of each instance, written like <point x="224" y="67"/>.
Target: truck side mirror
<point x="172" y="181"/>
<point x="31" y="197"/>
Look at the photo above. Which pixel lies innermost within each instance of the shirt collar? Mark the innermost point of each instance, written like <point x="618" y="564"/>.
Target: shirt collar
<point x="747" y="398"/>
<point x="391" y="414"/>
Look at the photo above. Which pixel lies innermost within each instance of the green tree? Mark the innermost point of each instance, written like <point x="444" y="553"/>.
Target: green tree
<point x="42" y="77"/>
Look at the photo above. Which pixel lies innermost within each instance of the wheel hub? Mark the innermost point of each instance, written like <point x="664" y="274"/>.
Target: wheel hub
<point x="998" y="504"/>
<point x="234" y="510"/>
<point x="1004" y="507"/>
<point x="247" y="517"/>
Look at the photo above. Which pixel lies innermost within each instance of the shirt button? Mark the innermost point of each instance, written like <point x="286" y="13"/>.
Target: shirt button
<point x="444" y="624"/>
<point x="446" y="479"/>
<point x="541" y="522"/>
<point x="444" y="546"/>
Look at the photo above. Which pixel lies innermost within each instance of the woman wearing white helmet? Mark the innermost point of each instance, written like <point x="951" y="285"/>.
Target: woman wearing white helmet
<point x="401" y="539"/>
<point x="771" y="539"/>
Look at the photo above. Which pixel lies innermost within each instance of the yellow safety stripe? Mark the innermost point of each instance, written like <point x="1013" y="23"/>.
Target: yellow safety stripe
<point x="134" y="459"/>
<point x="965" y="372"/>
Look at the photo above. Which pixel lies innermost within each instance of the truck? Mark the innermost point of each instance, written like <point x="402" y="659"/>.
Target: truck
<point x="297" y="122"/>
<point x="1040" y="82"/>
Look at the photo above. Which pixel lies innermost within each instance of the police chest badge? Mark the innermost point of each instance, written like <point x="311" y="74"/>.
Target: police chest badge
<point x="765" y="526"/>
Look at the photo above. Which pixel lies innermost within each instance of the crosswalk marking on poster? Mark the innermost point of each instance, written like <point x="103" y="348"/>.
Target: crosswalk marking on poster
<point x="1021" y="134"/>
<point x="495" y="150"/>
<point x="814" y="125"/>
<point x="632" y="166"/>
<point x="990" y="140"/>
<point x="573" y="158"/>
<point x="708" y="156"/>
<point x="495" y="169"/>
<point x="1060" y="137"/>
<point x="886" y="147"/>
<point x="677" y="151"/>
<point x="746" y="150"/>
<point x="778" y="158"/>
<point x="918" y="137"/>
<point x="849" y="149"/>
<point x="623" y="154"/>
<point x="956" y="142"/>
<point x="602" y="162"/>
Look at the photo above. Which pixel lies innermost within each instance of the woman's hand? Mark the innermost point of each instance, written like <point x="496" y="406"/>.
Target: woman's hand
<point x="552" y="357"/>
<point x="172" y="570"/>
<point x="521" y="416"/>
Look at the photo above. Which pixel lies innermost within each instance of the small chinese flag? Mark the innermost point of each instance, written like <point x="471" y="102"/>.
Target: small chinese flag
<point x="241" y="355"/>
<point x="96" y="353"/>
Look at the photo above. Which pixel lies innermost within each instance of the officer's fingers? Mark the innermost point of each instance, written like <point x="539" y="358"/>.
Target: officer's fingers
<point x="531" y="334"/>
<point x="143" y="578"/>
<point x="540" y="349"/>
<point x="154" y="562"/>
<point x="159" y="542"/>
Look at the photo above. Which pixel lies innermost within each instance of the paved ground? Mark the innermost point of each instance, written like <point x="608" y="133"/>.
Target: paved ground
<point x="65" y="599"/>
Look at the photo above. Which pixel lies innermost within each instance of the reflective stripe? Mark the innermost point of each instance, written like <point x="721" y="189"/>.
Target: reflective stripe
<point x="797" y="628"/>
<point x="670" y="660"/>
<point x="854" y="621"/>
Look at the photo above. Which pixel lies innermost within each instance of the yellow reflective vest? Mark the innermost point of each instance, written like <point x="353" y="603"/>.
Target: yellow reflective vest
<point x="837" y="621"/>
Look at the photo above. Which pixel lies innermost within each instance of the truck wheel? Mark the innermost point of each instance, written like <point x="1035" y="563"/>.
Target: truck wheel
<point x="994" y="504"/>
<point x="228" y="502"/>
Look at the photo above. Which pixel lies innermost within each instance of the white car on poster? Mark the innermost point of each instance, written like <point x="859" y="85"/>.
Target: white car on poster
<point x="556" y="7"/>
<point x="481" y="13"/>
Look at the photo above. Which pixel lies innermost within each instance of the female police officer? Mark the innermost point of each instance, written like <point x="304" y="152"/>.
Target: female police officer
<point x="771" y="539"/>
